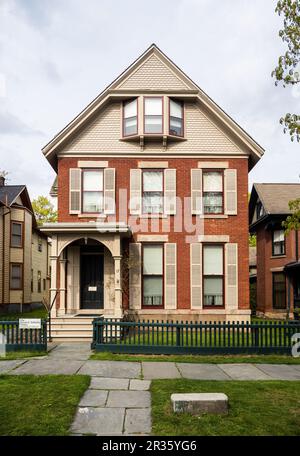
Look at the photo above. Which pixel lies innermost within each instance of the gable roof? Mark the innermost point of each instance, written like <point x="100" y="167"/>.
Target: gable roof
<point x="177" y="80"/>
<point x="9" y="193"/>
<point x="275" y="197"/>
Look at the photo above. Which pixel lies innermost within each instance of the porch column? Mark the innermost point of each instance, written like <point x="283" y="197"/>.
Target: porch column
<point x="62" y="287"/>
<point x="118" y="289"/>
<point x="53" y="286"/>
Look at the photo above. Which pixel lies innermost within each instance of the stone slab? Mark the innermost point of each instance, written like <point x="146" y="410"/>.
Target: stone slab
<point x="129" y="399"/>
<point x="93" y="398"/>
<point x="200" y="403"/>
<point x="202" y="371"/>
<point x="102" y="383"/>
<point x="98" y="421"/>
<point x="114" y="369"/>
<point x="137" y="421"/>
<point x="9" y="365"/>
<point x="159" y="370"/>
<point x="243" y="372"/>
<point x="48" y="366"/>
<point x="280" y="371"/>
<point x="139" y="385"/>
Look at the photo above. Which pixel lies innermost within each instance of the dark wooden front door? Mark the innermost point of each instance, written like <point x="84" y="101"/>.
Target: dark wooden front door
<point x="91" y="281"/>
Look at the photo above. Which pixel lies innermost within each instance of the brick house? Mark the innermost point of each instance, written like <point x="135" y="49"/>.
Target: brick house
<point x="278" y="266"/>
<point x="152" y="179"/>
<point x="24" y="252"/>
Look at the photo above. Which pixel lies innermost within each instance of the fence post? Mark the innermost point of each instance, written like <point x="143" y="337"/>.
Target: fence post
<point x="178" y="335"/>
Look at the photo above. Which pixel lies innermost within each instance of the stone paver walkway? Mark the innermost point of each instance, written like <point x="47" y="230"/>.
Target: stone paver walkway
<point x="118" y="400"/>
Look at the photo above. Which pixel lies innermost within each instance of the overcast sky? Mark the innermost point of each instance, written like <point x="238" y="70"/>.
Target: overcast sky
<point x="57" y="55"/>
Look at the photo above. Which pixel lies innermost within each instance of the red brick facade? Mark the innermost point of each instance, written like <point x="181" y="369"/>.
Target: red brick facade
<point x="235" y="226"/>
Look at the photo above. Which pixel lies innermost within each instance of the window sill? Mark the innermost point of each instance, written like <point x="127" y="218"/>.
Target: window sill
<point x="153" y="216"/>
<point x="92" y="215"/>
<point x="214" y="216"/>
<point x="277" y="256"/>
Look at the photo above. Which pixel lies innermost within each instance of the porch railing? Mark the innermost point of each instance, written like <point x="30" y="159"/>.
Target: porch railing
<point x="23" y="339"/>
<point x="169" y="337"/>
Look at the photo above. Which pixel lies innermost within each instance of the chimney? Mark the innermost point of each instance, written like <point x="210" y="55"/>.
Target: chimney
<point x="2" y="181"/>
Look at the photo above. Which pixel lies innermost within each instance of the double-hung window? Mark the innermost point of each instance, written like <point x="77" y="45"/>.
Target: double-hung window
<point x="153" y="115"/>
<point x="16" y="276"/>
<point x="278" y="245"/>
<point x="16" y="234"/>
<point x="153" y="275"/>
<point x="213" y="192"/>
<point x="279" y="290"/>
<point x="176" y="118"/>
<point x="92" y="191"/>
<point x="152" y="192"/>
<point x="39" y="282"/>
<point x="213" y="275"/>
<point x="130" y="122"/>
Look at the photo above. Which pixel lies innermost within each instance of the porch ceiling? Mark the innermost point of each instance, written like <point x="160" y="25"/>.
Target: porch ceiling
<point x="86" y="227"/>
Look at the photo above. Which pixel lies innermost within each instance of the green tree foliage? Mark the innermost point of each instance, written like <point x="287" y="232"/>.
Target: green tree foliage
<point x="252" y="240"/>
<point x="44" y="210"/>
<point x="293" y="221"/>
<point x="287" y="70"/>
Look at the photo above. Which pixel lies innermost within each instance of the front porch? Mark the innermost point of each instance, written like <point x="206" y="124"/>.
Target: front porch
<point x="85" y="276"/>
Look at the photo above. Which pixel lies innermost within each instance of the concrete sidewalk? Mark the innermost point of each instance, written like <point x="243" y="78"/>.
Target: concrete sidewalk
<point x="70" y="359"/>
<point x="118" y="401"/>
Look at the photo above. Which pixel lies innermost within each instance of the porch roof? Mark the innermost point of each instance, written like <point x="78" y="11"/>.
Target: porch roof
<point x="86" y="227"/>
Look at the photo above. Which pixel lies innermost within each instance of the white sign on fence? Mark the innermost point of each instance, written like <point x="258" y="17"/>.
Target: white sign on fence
<point x="30" y="323"/>
<point x="2" y="345"/>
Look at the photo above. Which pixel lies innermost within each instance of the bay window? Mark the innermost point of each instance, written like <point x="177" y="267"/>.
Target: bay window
<point x="176" y="118"/>
<point x="153" y="275"/>
<point x="153" y="192"/>
<point x="153" y="115"/>
<point x="278" y="245"/>
<point x="130" y="124"/>
<point x="213" y="275"/>
<point x="213" y="192"/>
<point x="92" y="191"/>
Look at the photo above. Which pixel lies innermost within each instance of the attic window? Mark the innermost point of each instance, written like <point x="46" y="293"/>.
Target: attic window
<point x="176" y="118"/>
<point x="153" y="115"/>
<point x="130" y="118"/>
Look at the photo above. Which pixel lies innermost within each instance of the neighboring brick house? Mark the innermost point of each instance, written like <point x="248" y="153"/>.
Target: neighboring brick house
<point x="278" y="266"/>
<point x="151" y="153"/>
<point x="24" y="252"/>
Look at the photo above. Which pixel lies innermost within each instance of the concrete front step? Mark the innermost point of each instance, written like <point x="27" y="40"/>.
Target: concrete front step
<point x="72" y="328"/>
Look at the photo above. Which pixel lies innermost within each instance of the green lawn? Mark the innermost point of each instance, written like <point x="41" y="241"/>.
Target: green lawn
<point x="37" y="313"/>
<point x="45" y="405"/>
<point x="256" y="408"/>
<point x="22" y="354"/>
<point x="215" y="359"/>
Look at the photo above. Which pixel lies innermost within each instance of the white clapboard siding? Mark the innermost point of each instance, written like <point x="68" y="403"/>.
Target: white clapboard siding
<point x="196" y="191"/>
<point x="170" y="191"/>
<point x="231" y="279"/>
<point x="135" y="275"/>
<point x="170" y="276"/>
<point x="196" y="275"/>
<point x="109" y="191"/>
<point x="74" y="190"/>
<point x="135" y="191"/>
<point x="230" y="187"/>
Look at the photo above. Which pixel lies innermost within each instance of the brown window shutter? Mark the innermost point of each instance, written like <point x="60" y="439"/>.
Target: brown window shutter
<point x="170" y="191"/>
<point x="75" y="190"/>
<point x="231" y="278"/>
<point x="196" y="275"/>
<point x="109" y="191"/>
<point x="230" y="187"/>
<point x="170" y="276"/>
<point x="196" y="191"/>
<point x="135" y="275"/>
<point x="135" y="191"/>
